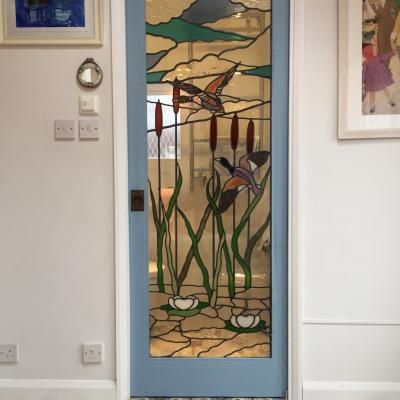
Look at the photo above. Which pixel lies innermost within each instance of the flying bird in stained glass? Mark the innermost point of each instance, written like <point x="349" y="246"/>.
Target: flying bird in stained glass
<point x="209" y="98"/>
<point x="241" y="177"/>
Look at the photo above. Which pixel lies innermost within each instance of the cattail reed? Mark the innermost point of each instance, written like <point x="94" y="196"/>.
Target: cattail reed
<point x="213" y="133"/>
<point x="158" y="119"/>
<point x="175" y="101"/>
<point x="250" y="137"/>
<point x="234" y="145"/>
<point x="213" y="147"/>
<point x="235" y="132"/>
<point x="159" y="127"/>
<point x="249" y="150"/>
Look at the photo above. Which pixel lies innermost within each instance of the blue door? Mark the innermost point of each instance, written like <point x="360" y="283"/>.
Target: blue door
<point x="208" y="174"/>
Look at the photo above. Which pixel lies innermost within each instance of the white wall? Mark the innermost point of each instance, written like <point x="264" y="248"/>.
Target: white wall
<point x="56" y="219"/>
<point x="350" y="196"/>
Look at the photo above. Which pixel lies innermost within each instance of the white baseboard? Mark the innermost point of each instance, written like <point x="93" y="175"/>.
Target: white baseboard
<point x="351" y="391"/>
<point x="46" y="389"/>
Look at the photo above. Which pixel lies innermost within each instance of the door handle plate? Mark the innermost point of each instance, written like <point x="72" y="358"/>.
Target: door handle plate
<point x="137" y="200"/>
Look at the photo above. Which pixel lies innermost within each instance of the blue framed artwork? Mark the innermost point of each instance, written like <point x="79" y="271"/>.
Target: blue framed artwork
<point x="50" y="13"/>
<point x="47" y="22"/>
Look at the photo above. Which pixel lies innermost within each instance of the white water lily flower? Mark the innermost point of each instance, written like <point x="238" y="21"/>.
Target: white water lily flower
<point x="245" y="321"/>
<point x="183" y="303"/>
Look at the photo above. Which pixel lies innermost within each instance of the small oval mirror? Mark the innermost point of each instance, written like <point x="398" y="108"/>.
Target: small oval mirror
<point x="90" y="74"/>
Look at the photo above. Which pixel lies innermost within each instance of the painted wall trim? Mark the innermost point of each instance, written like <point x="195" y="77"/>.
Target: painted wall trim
<point x="294" y="239"/>
<point x="353" y="386"/>
<point x="351" y="390"/>
<point x="56" y="384"/>
<point x="44" y="389"/>
<point x="120" y="130"/>
<point x="350" y="322"/>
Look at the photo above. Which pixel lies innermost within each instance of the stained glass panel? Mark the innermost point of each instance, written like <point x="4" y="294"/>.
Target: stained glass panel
<point x="209" y="78"/>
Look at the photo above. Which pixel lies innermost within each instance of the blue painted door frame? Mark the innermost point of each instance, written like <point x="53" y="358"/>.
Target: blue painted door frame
<point x="169" y="377"/>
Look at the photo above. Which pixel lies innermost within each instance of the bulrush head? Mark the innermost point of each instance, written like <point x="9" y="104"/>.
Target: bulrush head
<point x="213" y="133"/>
<point x="250" y="137"/>
<point x="158" y="119"/>
<point x="175" y="98"/>
<point x="235" y="132"/>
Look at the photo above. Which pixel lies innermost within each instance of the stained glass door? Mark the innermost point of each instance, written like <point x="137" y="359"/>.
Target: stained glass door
<point x="207" y="98"/>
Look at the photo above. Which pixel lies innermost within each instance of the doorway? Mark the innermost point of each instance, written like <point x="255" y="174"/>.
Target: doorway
<point x="208" y="152"/>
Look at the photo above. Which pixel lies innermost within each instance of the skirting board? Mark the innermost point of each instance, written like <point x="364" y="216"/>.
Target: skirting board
<point x="45" y="389"/>
<point x="351" y="391"/>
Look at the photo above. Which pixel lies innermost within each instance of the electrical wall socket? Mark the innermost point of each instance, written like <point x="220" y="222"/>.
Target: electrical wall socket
<point x="92" y="353"/>
<point x="65" y="129"/>
<point x="89" y="129"/>
<point x="8" y="353"/>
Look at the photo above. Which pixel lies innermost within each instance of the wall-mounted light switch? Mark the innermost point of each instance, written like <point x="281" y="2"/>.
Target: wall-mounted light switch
<point x="89" y="129"/>
<point x="8" y="353"/>
<point x="92" y="353"/>
<point x="89" y="105"/>
<point x="65" y="129"/>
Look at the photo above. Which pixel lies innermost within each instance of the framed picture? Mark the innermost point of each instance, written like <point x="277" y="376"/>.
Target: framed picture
<point x="369" y="69"/>
<point x="50" y="22"/>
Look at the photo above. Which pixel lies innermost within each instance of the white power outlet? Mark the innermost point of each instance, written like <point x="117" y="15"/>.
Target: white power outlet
<point x="89" y="129"/>
<point x="8" y="353"/>
<point x="65" y="129"/>
<point x="92" y="353"/>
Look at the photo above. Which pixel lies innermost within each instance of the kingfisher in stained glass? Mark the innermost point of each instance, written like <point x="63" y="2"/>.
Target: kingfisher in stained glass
<point x="209" y="98"/>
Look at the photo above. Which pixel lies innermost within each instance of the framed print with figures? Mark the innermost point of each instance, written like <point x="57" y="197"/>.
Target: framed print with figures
<point x="369" y="69"/>
<point x="50" y="22"/>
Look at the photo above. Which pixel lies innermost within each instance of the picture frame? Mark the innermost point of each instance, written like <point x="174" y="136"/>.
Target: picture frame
<point x="353" y="123"/>
<point x="50" y="22"/>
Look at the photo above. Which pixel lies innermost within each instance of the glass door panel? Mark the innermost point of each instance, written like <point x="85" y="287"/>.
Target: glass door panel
<point x="209" y="118"/>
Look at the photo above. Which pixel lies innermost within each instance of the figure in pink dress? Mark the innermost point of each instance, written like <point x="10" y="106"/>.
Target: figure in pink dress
<point x="376" y="76"/>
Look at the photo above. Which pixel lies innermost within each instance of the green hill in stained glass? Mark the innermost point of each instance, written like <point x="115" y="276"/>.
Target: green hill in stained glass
<point x="155" y="77"/>
<point x="182" y="31"/>
<point x="265" y="71"/>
